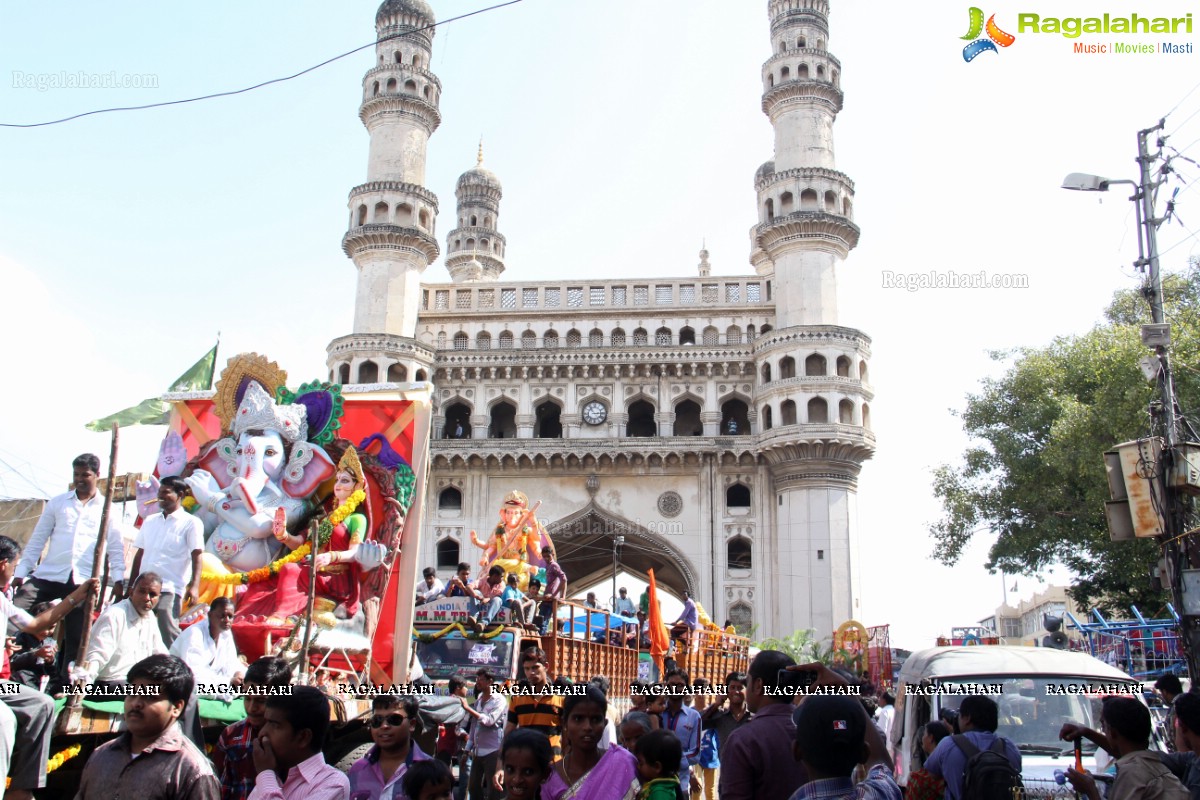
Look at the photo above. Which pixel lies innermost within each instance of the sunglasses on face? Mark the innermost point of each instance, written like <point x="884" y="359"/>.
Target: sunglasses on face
<point x="392" y="720"/>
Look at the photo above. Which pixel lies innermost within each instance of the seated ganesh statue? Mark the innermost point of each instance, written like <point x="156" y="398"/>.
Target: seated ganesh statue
<point x="261" y="485"/>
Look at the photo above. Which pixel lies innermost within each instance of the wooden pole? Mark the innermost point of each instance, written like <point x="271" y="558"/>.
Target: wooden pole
<point x="313" y="527"/>
<point x="89" y="604"/>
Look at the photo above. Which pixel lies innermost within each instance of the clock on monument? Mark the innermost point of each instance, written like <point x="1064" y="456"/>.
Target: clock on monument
<point x="595" y="413"/>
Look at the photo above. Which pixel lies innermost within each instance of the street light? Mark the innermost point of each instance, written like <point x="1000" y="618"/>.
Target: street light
<point x="1156" y="336"/>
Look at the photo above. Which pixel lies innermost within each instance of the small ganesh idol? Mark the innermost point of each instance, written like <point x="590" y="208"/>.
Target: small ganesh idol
<point x="517" y="541"/>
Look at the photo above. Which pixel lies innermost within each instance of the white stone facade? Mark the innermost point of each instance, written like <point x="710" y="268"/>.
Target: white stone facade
<point x="717" y="423"/>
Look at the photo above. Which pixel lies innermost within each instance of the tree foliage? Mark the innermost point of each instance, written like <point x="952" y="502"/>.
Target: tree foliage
<point x="1034" y="473"/>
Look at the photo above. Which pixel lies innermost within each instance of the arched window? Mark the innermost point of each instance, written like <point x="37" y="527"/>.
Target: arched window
<point x="503" y="423"/>
<point x="410" y="86"/>
<point x="862" y="371"/>
<point x="391" y="84"/>
<point x="787" y="367"/>
<point x="404" y="214"/>
<point x="381" y="213"/>
<point x="483" y="341"/>
<point x="421" y="376"/>
<point x="375" y="89"/>
<point x="618" y="338"/>
<point x="742" y="617"/>
<point x="505" y="340"/>
<point x="766" y="373"/>
<point x="733" y="335"/>
<point x="846" y="412"/>
<point x="818" y="410"/>
<point x="447" y="554"/>
<point x="416" y="60"/>
<point x="866" y="412"/>
<point x="450" y="499"/>
<point x="765" y="416"/>
<point x="738" y="554"/>
<point x="735" y="418"/>
<point x="368" y="372"/>
<point x="784" y="74"/>
<point x="641" y="420"/>
<point x="344" y="373"/>
<point x="770" y="209"/>
<point x="750" y="334"/>
<point x="830" y="202"/>
<point x="687" y="335"/>
<point x="843" y="367"/>
<point x="397" y="373"/>
<point x="596" y="338"/>
<point x="801" y="42"/>
<point x="458" y="422"/>
<point x="547" y="423"/>
<point x="640" y="338"/>
<point x="808" y="200"/>
<point x="423" y="218"/>
<point x="802" y="72"/>
<point x="474" y="222"/>
<point x="687" y="419"/>
<point x="815" y="365"/>
<point x="737" y="496"/>
<point x="399" y="57"/>
<point x="550" y="339"/>
<point x="528" y="340"/>
<point x="461" y="340"/>
<point x="662" y="337"/>
<point x="763" y="332"/>
<point x="710" y="336"/>
<point x="362" y="214"/>
<point x="574" y="338"/>
<point x="787" y="203"/>
<point x="787" y="412"/>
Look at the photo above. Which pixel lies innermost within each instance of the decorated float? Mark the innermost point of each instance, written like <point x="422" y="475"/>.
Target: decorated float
<point x="288" y="481"/>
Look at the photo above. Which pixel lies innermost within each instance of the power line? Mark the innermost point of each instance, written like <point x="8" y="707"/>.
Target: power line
<point x="1185" y="97"/>
<point x="257" y="85"/>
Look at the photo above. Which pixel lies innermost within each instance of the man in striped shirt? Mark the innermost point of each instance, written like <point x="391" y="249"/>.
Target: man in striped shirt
<point x="538" y="704"/>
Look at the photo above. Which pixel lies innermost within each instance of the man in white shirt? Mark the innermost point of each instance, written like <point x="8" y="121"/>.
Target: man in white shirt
<point x="28" y="715"/>
<point x="432" y="588"/>
<point x="208" y="648"/>
<point x="170" y="544"/>
<point x="124" y="634"/>
<point x="68" y="530"/>
<point x="623" y="605"/>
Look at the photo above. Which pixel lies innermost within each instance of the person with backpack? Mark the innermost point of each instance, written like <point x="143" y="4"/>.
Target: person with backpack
<point x="977" y="764"/>
<point x="1125" y="733"/>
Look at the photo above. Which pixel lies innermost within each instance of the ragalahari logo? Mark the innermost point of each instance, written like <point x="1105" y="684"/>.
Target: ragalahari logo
<point x="995" y="36"/>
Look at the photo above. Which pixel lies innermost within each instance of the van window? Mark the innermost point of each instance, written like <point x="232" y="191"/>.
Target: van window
<point x="455" y="655"/>
<point x="1033" y="709"/>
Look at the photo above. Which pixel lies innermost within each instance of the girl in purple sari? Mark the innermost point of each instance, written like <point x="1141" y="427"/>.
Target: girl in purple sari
<point x="585" y="772"/>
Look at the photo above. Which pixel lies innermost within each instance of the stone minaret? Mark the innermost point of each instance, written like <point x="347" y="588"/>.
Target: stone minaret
<point x="393" y="217"/>
<point x="476" y="248"/>
<point x="813" y="373"/>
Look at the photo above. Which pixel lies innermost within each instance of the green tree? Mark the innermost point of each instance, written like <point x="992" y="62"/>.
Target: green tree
<point x="1034" y="473"/>
<point x="802" y="645"/>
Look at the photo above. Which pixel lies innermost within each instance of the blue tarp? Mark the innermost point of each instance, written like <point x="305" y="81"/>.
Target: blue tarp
<point x="596" y="621"/>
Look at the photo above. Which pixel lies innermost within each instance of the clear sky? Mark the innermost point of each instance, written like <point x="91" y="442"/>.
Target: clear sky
<point x="626" y="133"/>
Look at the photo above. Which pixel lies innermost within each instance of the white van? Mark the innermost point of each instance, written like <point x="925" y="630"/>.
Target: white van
<point x="1037" y="690"/>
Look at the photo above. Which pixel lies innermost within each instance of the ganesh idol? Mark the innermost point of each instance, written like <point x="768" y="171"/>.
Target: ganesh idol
<point x="243" y="480"/>
<point x="517" y="541"/>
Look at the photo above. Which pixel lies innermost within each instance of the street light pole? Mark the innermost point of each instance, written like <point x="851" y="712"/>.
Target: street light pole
<point x="617" y="542"/>
<point x="1173" y="521"/>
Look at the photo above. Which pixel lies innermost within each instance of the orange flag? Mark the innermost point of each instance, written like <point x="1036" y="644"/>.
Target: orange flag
<point x="659" y="641"/>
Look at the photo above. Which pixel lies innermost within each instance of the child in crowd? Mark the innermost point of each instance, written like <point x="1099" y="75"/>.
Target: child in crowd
<point x="427" y="780"/>
<point x="233" y="758"/>
<point x="525" y="759"/>
<point x="659" y="754"/>
<point x="394" y="724"/>
<point x="634" y="726"/>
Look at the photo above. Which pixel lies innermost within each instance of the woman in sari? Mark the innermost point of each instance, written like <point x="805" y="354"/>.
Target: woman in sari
<point x="587" y="772"/>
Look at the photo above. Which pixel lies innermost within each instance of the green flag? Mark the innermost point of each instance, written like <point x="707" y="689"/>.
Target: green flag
<point x="153" y="411"/>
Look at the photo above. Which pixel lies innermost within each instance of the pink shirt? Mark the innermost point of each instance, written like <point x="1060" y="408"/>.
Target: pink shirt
<point x="487" y="590"/>
<point x="311" y="779"/>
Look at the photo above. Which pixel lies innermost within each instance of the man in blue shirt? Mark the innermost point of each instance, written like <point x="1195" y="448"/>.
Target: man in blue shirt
<point x="978" y="717"/>
<point x="683" y="721"/>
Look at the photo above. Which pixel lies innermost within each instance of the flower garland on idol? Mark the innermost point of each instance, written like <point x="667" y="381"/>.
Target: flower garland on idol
<point x="324" y="532"/>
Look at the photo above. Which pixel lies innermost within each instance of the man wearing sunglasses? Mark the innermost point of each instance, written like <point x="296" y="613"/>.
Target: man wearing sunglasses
<point x="208" y="648"/>
<point x="394" y="725"/>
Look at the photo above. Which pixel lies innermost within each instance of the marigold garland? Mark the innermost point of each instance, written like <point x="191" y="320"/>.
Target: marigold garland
<point x="324" y="532"/>
<point x="56" y="761"/>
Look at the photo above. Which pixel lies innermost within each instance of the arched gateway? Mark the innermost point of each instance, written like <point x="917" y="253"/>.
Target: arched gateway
<point x="585" y="541"/>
